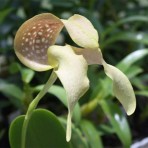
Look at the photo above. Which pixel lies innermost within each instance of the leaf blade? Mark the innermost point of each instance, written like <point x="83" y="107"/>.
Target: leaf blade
<point x="42" y="131"/>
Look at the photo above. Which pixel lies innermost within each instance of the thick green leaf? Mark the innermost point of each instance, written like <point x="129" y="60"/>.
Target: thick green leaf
<point x="60" y="93"/>
<point x="44" y="131"/>
<point x="91" y="134"/>
<point x="118" y="121"/>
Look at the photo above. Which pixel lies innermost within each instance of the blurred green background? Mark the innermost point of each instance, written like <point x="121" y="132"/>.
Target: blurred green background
<point x="123" y="37"/>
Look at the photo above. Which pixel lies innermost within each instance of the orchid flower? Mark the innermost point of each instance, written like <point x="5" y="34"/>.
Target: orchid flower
<point x="34" y="46"/>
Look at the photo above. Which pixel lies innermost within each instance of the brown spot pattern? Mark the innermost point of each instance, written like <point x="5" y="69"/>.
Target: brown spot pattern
<point x="34" y="39"/>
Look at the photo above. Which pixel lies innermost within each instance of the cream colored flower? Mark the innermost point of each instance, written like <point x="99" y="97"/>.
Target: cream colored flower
<point x="34" y="46"/>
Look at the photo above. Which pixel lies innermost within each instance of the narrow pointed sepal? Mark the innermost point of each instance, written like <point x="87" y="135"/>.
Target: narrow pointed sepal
<point x="122" y="88"/>
<point x="82" y="31"/>
<point x="72" y="72"/>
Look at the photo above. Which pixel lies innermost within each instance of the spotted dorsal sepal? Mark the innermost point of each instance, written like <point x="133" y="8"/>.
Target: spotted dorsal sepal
<point x="33" y="39"/>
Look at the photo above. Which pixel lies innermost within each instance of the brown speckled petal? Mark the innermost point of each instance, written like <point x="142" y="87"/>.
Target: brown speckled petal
<point x="33" y="39"/>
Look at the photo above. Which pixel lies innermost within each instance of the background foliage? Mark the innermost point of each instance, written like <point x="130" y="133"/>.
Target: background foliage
<point x="123" y="32"/>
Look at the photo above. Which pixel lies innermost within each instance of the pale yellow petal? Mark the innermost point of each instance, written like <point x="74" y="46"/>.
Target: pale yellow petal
<point x="82" y="31"/>
<point x="72" y="71"/>
<point x="122" y="88"/>
<point x="33" y="39"/>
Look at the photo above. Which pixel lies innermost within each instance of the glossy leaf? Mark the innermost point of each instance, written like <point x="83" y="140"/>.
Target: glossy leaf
<point x="118" y="121"/>
<point x="44" y="130"/>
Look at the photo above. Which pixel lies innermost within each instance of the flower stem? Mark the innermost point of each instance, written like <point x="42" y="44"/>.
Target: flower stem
<point x="89" y="107"/>
<point x="33" y="105"/>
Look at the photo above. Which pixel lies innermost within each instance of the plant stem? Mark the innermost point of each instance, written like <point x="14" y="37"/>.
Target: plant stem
<point x="89" y="107"/>
<point x="33" y="105"/>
